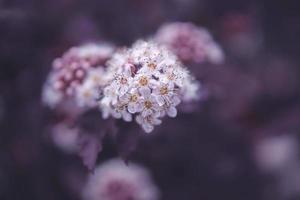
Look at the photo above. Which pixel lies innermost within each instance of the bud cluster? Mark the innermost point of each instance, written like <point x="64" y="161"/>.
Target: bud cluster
<point x="79" y="68"/>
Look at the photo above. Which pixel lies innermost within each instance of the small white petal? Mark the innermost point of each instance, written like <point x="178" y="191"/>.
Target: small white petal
<point x="116" y="114"/>
<point x="139" y="119"/>
<point x="160" y="100"/>
<point x="145" y="91"/>
<point x="162" y="113"/>
<point x="170" y="86"/>
<point x="132" y="107"/>
<point x="146" y="112"/>
<point x="152" y="98"/>
<point x="123" y="90"/>
<point x="127" y="116"/>
<point x="175" y="100"/>
<point x="156" y="90"/>
<point x="148" y="128"/>
<point x="172" y="112"/>
<point x="156" y="121"/>
<point x="153" y="83"/>
<point x="139" y="107"/>
<point x="105" y="113"/>
<point x="157" y="114"/>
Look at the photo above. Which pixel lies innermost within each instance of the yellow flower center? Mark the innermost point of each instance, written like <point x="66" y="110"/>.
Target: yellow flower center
<point x="134" y="98"/>
<point x="148" y="104"/>
<point x="123" y="81"/>
<point x="143" y="81"/>
<point x="121" y="107"/>
<point x="163" y="90"/>
<point x="171" y="76"/>
<point x="152" y="66"/>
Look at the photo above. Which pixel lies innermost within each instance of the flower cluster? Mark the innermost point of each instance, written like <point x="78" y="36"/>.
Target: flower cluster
<point x="114" y="180"/>
<point x="76" y="74"/>
<point x="189" y="42"/>
<point x="147" y="81"/>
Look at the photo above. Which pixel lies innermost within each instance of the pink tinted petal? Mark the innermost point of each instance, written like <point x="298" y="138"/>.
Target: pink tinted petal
<point x="127" y="71"/>
<point x="156" y="91"/>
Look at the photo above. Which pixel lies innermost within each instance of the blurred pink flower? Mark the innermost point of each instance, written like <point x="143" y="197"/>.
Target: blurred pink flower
<point x="190" y="43"/>
<point x="71" y="71"/>
<point x="114" y="180"/>
<point x="276" y="152"/>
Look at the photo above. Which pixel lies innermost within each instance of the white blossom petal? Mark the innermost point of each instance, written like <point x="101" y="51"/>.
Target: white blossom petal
<point x="148" y="128"/>
<point x="132" y="107"/>
<point x="160" y="100"/>
<point x="145" y="91"/>
<point x="156" y="121"/>
<point x="127" y="116"/>
<point x="176" y="100"/>
<point x="146" y="112"/>
<point x="123" y="90"/>
<point x="172" y="112"/>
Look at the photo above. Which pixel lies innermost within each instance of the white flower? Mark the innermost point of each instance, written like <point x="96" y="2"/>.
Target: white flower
<point x="132" y="99"/>
<point x="148" y="105"/>
<point x="149" y="82"/>
<point x="144" y="82"/>
<point x="122" y="82"/>
<point x="177" y="75"/>
<point x="164" y="92"/>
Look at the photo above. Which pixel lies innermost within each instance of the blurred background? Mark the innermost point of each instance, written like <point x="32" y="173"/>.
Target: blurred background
<point x="242" y="143"/>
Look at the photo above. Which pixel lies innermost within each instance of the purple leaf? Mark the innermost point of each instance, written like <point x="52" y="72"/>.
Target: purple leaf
<point x="89" y="148"/>
<point x="93" y="129"/>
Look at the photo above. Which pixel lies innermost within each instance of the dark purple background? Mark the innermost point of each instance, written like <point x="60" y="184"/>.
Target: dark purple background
<point x="202" y="155"/>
